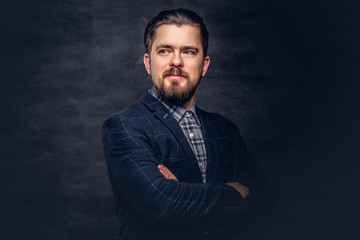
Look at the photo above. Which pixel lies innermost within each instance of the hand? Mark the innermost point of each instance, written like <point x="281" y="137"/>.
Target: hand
<point x="242" y="189"/>
<point x="167" y="173"/>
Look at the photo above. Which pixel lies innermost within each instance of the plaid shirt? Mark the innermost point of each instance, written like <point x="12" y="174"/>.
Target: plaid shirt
<point x="190" y="125"/>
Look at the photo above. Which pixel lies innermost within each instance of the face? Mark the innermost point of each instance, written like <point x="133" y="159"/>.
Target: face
<point x="176" y="63"/>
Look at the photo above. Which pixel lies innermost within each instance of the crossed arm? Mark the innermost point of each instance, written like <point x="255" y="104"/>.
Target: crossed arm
<point x="242" y="189"/>
<point x="135" y="177"/>
<point x="132" y="167"/>
<point x="231" y="226"/>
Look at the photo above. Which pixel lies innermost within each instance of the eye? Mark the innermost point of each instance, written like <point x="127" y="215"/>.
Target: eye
<point x="190" y="52"/>
<point x="163" y="51"/>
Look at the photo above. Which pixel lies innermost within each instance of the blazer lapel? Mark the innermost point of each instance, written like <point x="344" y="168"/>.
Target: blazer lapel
<point x="211" y="145"/>
<point x="160" y="112"/>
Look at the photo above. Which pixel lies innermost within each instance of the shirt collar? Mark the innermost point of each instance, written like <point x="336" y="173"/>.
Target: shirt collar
<point x="176" y="111"/>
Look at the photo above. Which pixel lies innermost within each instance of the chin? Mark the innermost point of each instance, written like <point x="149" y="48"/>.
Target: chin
<point x="178" y="81"/>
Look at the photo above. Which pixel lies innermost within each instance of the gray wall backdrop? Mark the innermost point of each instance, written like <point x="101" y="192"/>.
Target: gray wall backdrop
<point x="286" y="72"/>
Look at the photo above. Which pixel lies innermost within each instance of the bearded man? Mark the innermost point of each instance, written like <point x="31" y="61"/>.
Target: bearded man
<point x="177" y="171"/>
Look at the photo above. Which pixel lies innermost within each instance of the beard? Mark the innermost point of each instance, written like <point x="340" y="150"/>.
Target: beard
<point x="174" y="93"/>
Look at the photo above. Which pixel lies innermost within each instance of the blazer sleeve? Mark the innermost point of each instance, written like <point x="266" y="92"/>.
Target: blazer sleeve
<point x="133" y="172"/>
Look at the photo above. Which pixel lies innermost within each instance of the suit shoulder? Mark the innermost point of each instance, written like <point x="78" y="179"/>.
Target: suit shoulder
<point x="132" y="112"/>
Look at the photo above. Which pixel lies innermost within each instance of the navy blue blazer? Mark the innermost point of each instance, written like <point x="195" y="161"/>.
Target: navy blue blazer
<point x="145" y="134"/>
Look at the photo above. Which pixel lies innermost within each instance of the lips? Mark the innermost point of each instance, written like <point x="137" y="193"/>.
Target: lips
<point x="174" y="75"/>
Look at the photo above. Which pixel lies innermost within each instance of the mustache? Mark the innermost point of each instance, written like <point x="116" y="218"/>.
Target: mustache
<point x="175" y="71"/>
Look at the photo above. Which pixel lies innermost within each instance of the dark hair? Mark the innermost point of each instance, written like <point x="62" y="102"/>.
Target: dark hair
<point x="178" y="17"/>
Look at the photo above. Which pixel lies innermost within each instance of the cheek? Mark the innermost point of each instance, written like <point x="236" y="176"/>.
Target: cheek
<point x="157" y="68"/>
<point x="195" y="66"/>
<point x="196" y="71"/>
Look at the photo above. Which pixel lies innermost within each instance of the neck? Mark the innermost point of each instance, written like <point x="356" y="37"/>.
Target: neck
<point x="188" y="104"/>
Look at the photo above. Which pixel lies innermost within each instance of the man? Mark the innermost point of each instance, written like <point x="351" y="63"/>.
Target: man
<point x="179" y="172"/>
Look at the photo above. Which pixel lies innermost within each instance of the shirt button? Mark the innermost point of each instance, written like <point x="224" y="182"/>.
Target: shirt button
<point x="187" y="114"/>
<point x="191" y="135"/>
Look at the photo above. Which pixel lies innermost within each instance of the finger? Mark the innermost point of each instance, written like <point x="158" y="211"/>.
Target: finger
<point x="172" y="176"/>
<point x="164" y="169"/>
<point x="167" y="173"/>
<point x="164" y="172"/>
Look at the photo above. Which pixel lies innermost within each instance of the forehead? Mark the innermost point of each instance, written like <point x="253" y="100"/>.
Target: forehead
<point x="177" y="36"/>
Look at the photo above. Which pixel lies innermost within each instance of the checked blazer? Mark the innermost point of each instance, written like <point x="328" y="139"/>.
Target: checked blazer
<point x="145" y="134"/>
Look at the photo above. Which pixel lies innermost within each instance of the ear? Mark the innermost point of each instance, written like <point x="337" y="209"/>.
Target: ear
<point x="206" y="64"/>
<point x="147" y="62"/>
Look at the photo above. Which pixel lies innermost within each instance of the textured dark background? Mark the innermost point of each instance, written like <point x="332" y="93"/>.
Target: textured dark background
<point x="286" y="72"/>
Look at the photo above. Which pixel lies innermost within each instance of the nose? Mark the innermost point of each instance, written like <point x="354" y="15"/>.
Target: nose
<point x="176" y="60"/>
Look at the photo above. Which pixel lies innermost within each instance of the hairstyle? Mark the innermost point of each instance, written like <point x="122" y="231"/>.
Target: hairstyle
<point x="178" y="17"/>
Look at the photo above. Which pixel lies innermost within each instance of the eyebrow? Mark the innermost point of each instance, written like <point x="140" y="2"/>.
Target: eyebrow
<point x="182" y="48"/>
